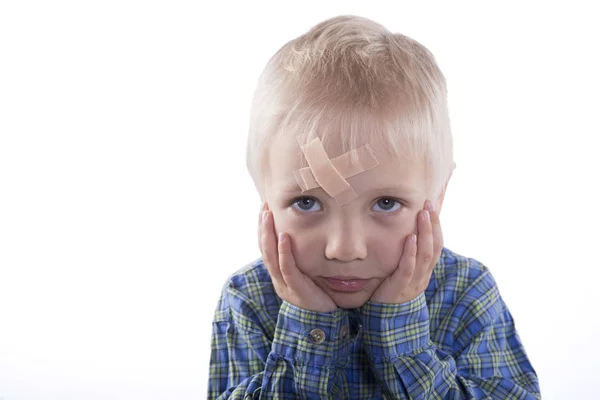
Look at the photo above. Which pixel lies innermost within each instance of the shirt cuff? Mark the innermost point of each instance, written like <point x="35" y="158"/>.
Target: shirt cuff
<point x="395" y="330"/>
<point x="318" y="338"/>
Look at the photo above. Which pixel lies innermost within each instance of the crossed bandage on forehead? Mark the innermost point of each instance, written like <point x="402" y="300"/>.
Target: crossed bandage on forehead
<point x="331" y="174"/>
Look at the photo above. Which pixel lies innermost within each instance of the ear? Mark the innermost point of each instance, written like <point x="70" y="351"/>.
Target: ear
<point x="440" y="200"/>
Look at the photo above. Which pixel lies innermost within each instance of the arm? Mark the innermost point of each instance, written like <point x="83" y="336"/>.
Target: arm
<point x="246" y="364"/>
<point x="482" y="356"/>
<point x="300" y="361"/>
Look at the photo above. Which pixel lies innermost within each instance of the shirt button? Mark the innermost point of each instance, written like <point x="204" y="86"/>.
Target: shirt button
<point x="317" y="336"/>
<point x="344" y="332"/>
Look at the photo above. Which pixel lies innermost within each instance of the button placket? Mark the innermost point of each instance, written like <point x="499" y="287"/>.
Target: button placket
<point x="344" y="332"/>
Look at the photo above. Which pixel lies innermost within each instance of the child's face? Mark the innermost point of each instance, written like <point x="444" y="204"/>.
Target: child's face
<point x="362" y="239"/>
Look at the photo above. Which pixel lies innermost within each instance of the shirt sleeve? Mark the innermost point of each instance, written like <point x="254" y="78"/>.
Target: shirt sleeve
<point x="484" y="358"/>
<point x="304" y="359"/>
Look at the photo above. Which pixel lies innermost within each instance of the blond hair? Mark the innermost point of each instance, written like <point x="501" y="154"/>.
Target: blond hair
<point x="350" y="76"/>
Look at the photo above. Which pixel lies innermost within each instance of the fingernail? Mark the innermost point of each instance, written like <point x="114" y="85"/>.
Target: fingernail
<point x="429" y="205"/>
<point x="264" y="215"/>
<point x="425" y="215"/>
<point x="281" y="237"/>
<point x="413" y="238"/>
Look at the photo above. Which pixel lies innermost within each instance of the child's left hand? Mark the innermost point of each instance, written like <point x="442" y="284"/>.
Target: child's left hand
<point x="417" y="261"/>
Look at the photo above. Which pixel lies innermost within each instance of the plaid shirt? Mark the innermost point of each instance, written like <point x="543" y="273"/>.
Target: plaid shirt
<point x="455" y="341"/>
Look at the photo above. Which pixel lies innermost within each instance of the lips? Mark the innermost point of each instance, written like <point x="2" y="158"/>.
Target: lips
<point x="346" y="283"/>
<point x="347" y="278"/>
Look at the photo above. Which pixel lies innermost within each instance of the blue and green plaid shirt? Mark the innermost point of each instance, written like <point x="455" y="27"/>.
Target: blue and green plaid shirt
<point x="456" y="341"/>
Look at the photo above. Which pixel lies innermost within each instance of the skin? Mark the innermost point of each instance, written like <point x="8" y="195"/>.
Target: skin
<point x="307" y="237"/>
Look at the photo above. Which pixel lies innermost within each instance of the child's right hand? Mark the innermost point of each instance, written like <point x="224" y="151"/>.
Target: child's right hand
<point x="290" y="283"/>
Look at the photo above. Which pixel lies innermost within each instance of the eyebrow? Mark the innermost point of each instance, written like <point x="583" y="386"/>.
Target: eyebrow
<point x="398" y="189"/>
<point x="292" y="187"/>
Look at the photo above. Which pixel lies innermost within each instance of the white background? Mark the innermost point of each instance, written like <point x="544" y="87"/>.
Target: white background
<point x="125" y="202"/>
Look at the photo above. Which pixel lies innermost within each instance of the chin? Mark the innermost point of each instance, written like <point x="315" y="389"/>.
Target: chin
<point x="350" y="300"/>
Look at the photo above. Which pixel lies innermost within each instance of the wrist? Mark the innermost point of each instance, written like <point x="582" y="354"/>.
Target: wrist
<point x="312" y="337"/>
<point x="392" y="330"/>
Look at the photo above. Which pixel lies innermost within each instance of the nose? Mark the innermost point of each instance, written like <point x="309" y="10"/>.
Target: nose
<point x="346" y="241"/>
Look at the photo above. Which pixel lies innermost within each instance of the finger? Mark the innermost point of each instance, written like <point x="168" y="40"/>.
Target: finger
<point x="403" y="275"/>
<point x="287" y="263"/>
<point x="263" y="207"/>
<point x="269" y="248"/>
<point x="424" y="247"/>
<point x="438" y="237"/>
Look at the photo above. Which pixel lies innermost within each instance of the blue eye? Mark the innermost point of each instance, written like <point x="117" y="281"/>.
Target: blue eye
<point x="387" y="205"/>
<point x="309" y="205"/>
<point x="306" y="204"/>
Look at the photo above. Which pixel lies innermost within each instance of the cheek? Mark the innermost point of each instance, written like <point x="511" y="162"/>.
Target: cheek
<point x="386" y="245"/>
<point x="308" y="250"/>
<point x="307" y="243"/>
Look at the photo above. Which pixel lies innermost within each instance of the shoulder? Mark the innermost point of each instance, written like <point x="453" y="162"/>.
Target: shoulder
<point x="463" y="298"/>
<point x="250" y="274"/>
<point x="249" y="293"/>
<point x="456" y="270"/>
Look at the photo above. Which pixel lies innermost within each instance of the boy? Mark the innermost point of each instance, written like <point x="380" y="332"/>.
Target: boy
<point x="355" y="296"/>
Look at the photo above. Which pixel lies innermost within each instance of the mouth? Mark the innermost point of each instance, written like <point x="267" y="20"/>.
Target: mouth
<point x="346" y="283"/>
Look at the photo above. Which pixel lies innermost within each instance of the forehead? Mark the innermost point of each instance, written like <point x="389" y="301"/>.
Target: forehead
<point x="286" y="156"/>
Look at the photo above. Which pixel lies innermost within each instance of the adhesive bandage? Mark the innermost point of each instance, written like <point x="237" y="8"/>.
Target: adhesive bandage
<point x="331" y="174"/>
